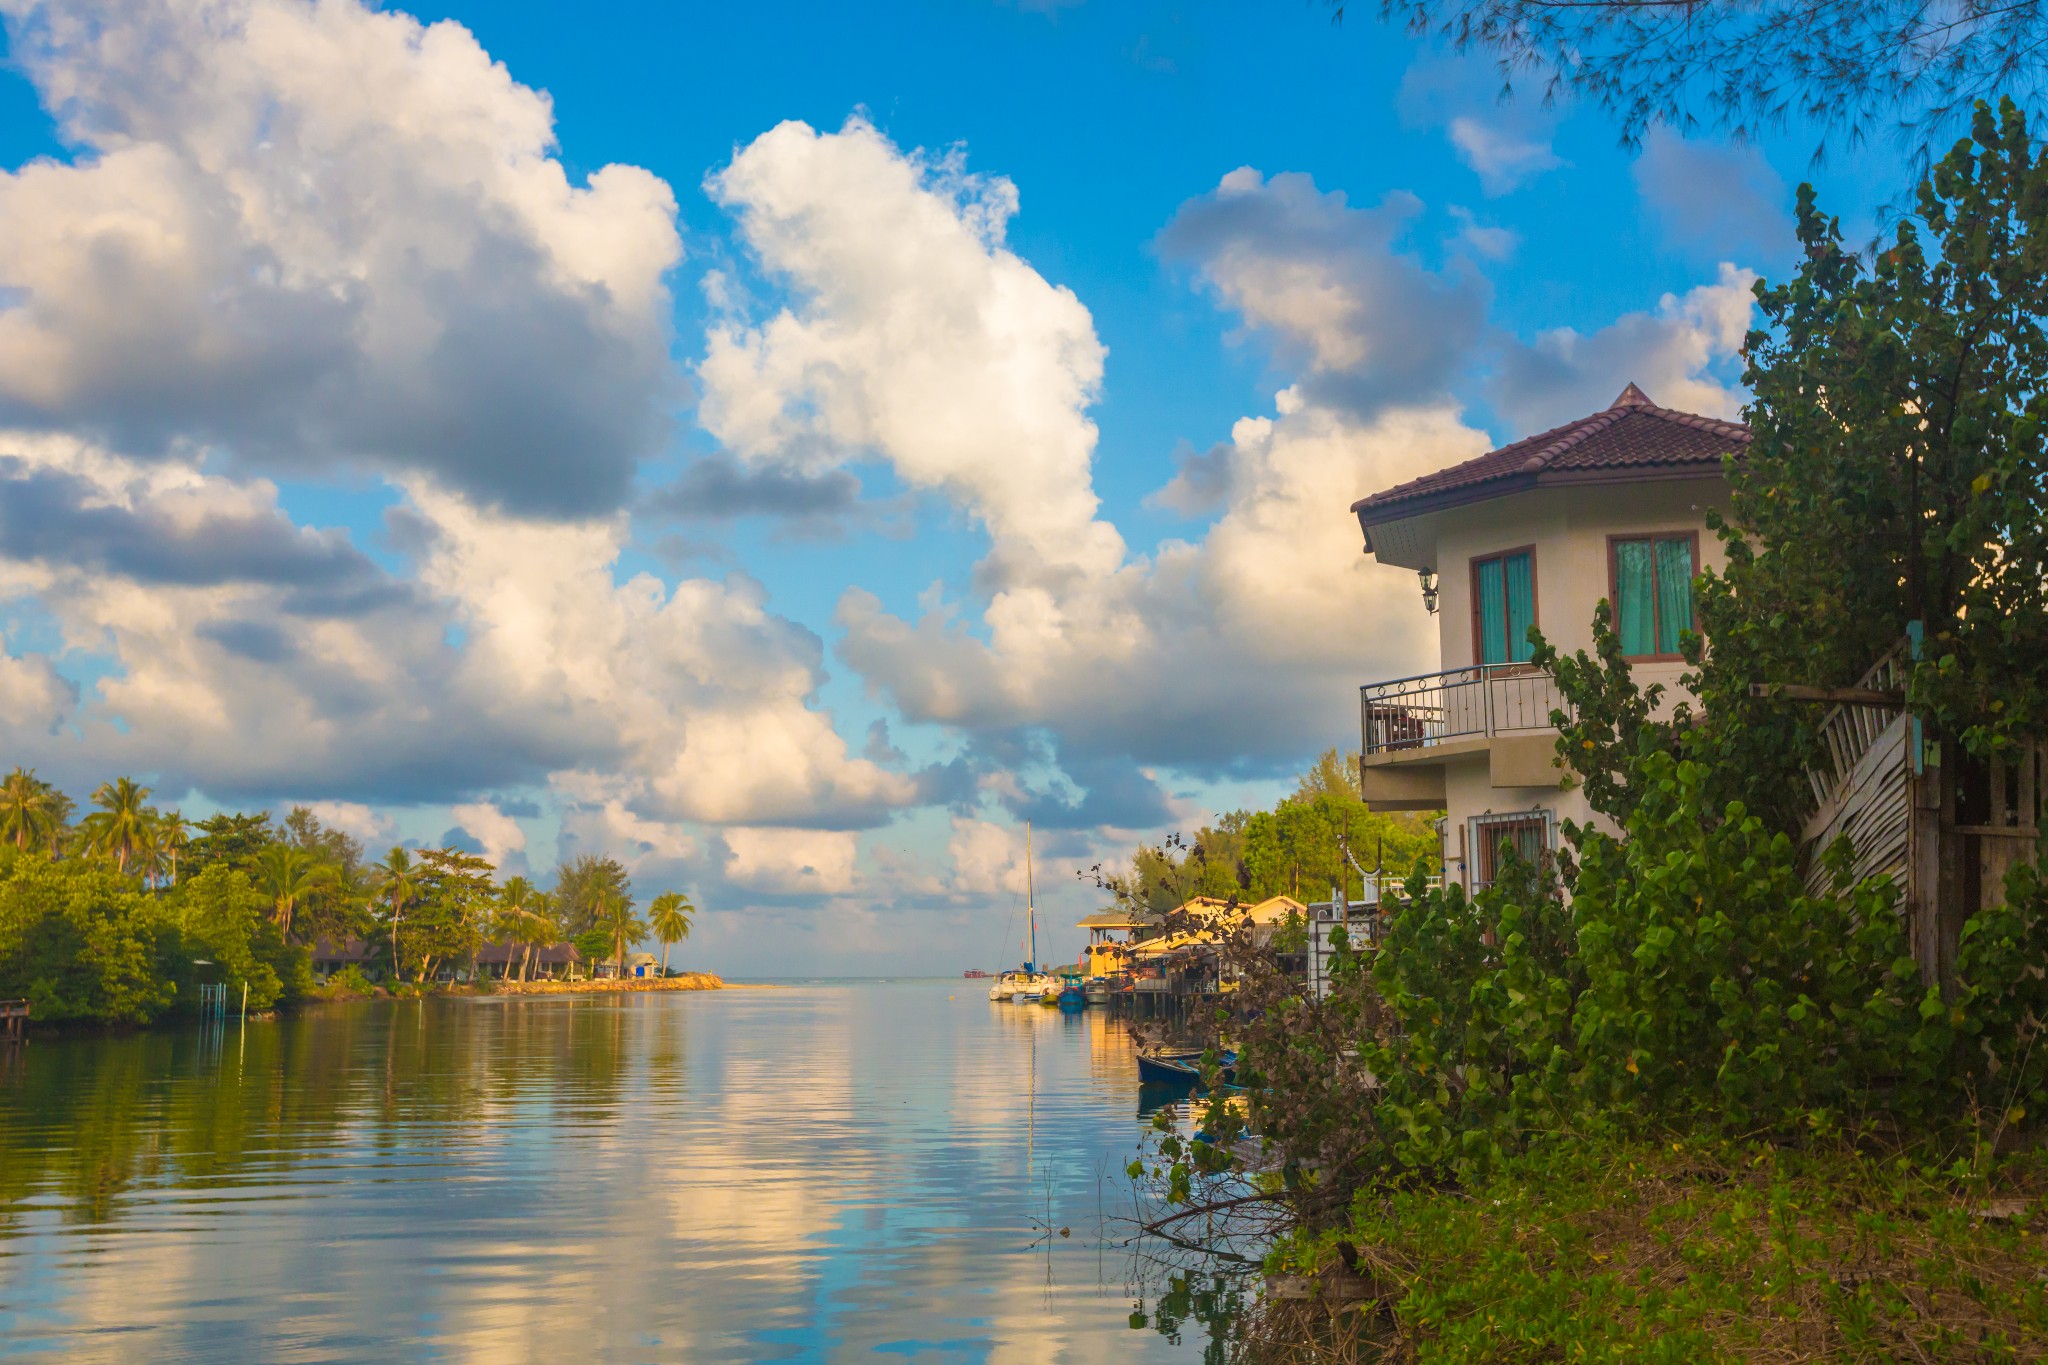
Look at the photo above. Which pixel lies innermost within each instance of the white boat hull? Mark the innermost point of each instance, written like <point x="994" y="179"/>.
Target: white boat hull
<point x="1020" y="988"/>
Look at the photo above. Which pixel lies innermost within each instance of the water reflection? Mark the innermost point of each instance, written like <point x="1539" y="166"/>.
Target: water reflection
<point x="821" y="1172"/>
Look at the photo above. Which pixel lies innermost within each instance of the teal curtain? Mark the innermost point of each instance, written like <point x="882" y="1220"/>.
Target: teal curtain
<point x="1493" y="623"/>
<point x="1635" y="610"/>
<point x="1674" y="592"/>
<point x="1521" y="607"/>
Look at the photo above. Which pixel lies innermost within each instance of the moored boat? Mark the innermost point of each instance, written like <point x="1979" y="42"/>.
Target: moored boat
<point x="1179" y="1066"/>
<point x="1072" y="1000"/>
<point x="1030" y="984"/>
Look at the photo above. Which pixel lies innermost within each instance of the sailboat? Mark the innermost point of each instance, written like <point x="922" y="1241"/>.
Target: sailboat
<point x="1030" y="985"/>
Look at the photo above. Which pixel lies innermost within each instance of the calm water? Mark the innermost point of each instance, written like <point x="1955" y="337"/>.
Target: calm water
<point x="827" y="1171"/>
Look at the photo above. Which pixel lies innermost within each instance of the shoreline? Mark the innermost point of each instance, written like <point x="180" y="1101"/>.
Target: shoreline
<point x="681" y="981"/>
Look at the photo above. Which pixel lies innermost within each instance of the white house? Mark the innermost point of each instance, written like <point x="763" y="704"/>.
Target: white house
<point x="1611" y="506"/>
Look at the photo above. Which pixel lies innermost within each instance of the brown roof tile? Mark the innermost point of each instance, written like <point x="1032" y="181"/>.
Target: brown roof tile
<point x="1633" y="434"/>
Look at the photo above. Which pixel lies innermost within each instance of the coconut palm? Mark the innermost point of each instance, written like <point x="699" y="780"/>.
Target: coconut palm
<point x="169" y="839"/>
<point x="615" y="916"/>
<point x="524" y="916"/>
<point x="291" y="876"/>
<point x="668" y="915"/>
<point x="398" y="885"/>
<point x="119" y="829"/>
<point x="28" y="815"/>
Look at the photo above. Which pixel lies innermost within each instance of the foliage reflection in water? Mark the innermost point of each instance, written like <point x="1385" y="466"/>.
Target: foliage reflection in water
<point x="822" y="1171"/>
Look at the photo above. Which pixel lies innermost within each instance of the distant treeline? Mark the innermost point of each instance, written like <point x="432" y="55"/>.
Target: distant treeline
<point x="1319" y="836"/>
<point x="118" y="916"/>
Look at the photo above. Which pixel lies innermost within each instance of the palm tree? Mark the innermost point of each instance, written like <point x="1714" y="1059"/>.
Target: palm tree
<point x="615" y="916"/>
<point x="120" y="827"/>
<point x="399" y="884"/>
<point x="27" y="814"/>
<point x="668" y="915"/>
<point x="290" y="876"/>
<point x="169" y="839"/>
<point x="524" y="916"/>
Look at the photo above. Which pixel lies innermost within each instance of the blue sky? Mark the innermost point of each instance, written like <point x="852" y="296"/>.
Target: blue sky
<point x="789" y="510"/>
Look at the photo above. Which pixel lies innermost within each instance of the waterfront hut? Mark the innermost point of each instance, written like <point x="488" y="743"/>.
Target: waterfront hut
<point x="555" y="961"/>
<point x="500" y="961"/>
<point x="643" y="965"/>
<point x="332" y="955"/>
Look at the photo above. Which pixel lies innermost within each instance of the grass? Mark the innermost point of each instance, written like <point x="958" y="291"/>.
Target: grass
<point x="1689" y="1252"/>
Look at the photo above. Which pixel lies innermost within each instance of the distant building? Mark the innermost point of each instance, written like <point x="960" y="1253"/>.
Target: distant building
<point x="504" y="961"/>
<point x="332" y="955"/>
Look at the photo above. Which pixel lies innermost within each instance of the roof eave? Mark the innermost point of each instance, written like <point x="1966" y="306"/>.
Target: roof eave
<point x="1407" y="508"/>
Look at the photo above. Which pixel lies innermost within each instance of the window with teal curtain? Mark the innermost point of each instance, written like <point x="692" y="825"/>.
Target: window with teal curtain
<point x="1635" y="597"/>
<point x="1652" y="593"/>
<point x="1493" y="614"/>
<point x="1674" y="591"/>
<point x="1521" y="594"/>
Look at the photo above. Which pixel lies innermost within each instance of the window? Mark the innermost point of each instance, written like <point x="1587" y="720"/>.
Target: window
<point x="1652" y="580"/>
<point x="1526" y="833"/>
<point x="1504" y="606"/>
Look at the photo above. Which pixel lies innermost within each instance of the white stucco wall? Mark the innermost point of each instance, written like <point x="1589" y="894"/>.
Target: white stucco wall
<point x="1569" y="528"/>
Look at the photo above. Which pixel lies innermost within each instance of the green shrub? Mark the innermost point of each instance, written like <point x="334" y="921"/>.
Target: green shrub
<point x="81" y="943"/>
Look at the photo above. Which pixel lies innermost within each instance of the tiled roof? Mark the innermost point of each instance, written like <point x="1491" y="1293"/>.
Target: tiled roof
<point x="1632" y="435"/>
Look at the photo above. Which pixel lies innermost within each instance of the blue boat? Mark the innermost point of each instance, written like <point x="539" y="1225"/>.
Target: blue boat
<point x="1072" y="1000"/>
<point x="1164" y="1066"/>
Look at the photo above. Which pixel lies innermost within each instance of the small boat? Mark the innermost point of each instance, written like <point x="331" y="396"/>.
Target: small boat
<point x="1178" y="1066"/>
<point x="1071" y="999"/>
<point x="975" y="974"/>
<point x="1096" y="989"/>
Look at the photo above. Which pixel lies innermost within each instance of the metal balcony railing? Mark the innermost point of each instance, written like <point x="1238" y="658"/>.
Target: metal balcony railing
<point x="1483" y="699"/>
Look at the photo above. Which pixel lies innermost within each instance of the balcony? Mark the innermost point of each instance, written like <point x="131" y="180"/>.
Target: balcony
<point x="1410" y="727"/>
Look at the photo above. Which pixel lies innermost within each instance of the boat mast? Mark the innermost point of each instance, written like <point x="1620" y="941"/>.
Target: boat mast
<point x="1030" y="908"/>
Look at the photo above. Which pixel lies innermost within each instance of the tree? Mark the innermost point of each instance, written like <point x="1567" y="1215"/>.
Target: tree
<point x="398" y="884"/>
<point x="524" y="916"/>
<point x="231" y="840"/>
<point x="583" y="883"/>
<point x="29" y="817"/>
<point x="620" y="926"/>
<point x="1850" y="68"/>
<point x="1899" y="408"/>
<point x="120" y="828"/>
<point x="451" y="908"/>
<point x="290" y="876"/>
<point x="169" y="838"/>
<point x="668" y="915"/>
<point x="333" y="845"/>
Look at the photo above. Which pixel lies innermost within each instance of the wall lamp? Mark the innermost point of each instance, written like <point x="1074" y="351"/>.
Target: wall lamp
<point x="1428" y="577"/>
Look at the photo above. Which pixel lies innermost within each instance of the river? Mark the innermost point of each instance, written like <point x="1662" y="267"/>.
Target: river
<point x="822" y="1171"/>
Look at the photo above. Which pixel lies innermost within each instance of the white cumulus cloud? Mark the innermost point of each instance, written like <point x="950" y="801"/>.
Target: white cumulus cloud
<point x="322" y="234"/>
<point x="1672" y="352"/>
<point x="914" y="336"/>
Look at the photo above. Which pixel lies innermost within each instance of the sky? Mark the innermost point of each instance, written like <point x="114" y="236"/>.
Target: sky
<point x="785" y="450"/>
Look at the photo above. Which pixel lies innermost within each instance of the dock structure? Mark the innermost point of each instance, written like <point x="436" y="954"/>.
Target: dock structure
<point x="13" y="1020"/>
